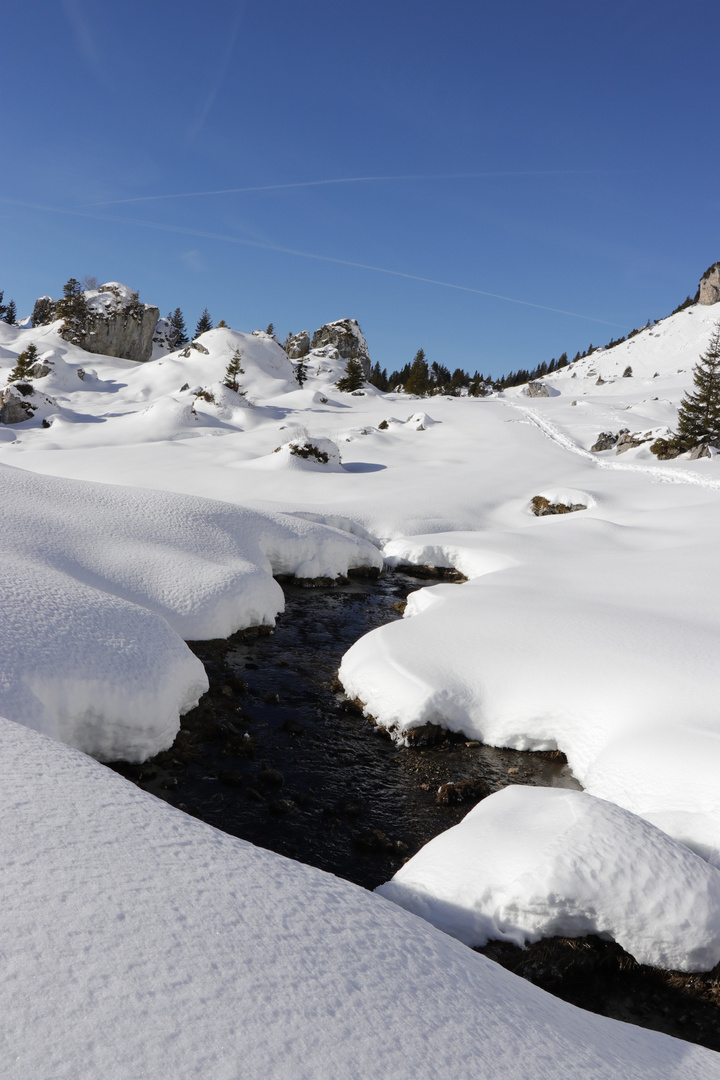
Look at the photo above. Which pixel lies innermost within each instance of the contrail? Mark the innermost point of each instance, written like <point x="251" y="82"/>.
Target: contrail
<point x="183" y="230"/>
<point x="344" y="180"/>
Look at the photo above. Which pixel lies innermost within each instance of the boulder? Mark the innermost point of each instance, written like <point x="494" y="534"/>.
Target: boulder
<point x="43" y="311"/>
<point x="628" y="440"/>
<point x="536" y="389"/>
<point x="14" y="404"/>
<point x="709" y="290"/>
<point x="606" y="440"/>
<point x="347" y="337"/>
<point x="297" y="345"/>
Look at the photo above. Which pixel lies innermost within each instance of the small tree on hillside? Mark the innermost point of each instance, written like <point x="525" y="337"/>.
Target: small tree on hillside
<point x="3" y="307"/>
<point x="301" y="371"/>
<point x="10" y="315"/>
<point x="234" y="370"/>
<point x="25" y="362"/>
<point x="354" y="377"/>
<point x="699" y="413"/>
<point x="204" y="323"/>
<point x="178" y="331"/>
<point x="270" y="329"/>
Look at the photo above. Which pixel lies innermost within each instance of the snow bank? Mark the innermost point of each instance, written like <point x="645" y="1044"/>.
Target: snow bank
<point x="529" y="863"/>
<point x="100" y="584"/>
<point x="138" y="941"/>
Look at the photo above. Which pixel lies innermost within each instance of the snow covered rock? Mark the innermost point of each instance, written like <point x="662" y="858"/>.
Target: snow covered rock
<point x="140" y="942"/>
<point x="348" y="339"/>
<point x="298" y="345"/>
<point x="536" y="389"/>
<point x="528" y="863"/>
<point x="21" y="401"/>
<point x="309" y="452"/>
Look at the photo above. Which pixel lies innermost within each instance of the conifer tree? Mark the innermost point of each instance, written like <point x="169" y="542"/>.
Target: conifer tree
<point x="699" y="413"/>
<point x="301" y="371"/>
<point x="204" y="323"/>
<point x="3" y="307"/>
<point x="418" y="381"/>
<point x="233" y="371"/>
<point x="270" y="330"/>
<point x="25" y="362"/>
<point x="10" y="315"/>
<point x="73" y="309"/>
<point x="178" y="331"/>
<point x="354" y="377"/>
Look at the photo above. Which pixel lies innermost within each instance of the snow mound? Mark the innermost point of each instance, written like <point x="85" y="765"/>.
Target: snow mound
<point x="138" y="941"/>
<point x="101" y="583"/>
<point x="420" y="421"/>
<point x="309" y="454"/>
<point x="529" y="863"/>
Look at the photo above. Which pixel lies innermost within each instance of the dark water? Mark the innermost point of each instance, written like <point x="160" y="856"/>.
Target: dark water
<point x="276" y="755"/>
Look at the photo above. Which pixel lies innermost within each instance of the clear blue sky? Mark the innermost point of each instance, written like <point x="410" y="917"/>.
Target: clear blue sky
<point x="558" y="153"/>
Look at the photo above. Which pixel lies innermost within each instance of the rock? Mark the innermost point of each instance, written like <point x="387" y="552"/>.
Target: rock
<point x="198" y="348"/>
<point x="427" y="735"/>
<point x="627" y="440"/>
<point x="14" y="408"/>
<point x="347" y="338"/>
<point x="298" y="345"/>
<point x="599" y="381"/>
<point x="460" y="791"/>
<point x="709" y="289"/>
<point x="536" y="389"/>
<point x="41" y="369"/>
<point x="605" y="441"/>
<point x="271" y="778"/>
<point x="700" y="451"/>
<point x="114" y="322"/>
<point x="542" y="507"/>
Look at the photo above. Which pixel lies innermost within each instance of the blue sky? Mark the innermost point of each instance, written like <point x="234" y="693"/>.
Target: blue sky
<point x="557" y="153"/>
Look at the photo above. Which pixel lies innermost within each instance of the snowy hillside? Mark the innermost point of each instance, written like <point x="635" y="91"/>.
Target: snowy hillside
<point x="147" y="504"/>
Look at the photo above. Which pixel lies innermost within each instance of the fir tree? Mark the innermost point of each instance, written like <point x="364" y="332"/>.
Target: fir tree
<point x="3" y="307"/>
<point x="10" y="315"/>
<point x="270" y="330"/>
<point x="233" y="371"/>
<point x="301" y="371"/>
<point x="178" y="331"/>
<point x="699" y="413"/>
<point x="354" y="377"/>
<point x="25" y="363"/>
<point x="73" y="310"/>
<point x="204" y="323"/>
<point x="418" y="381"/>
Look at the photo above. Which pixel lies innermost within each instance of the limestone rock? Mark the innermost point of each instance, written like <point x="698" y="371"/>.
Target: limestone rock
<point x="628" y="440"/>
<point x="298" y="345"/>
<point x="700" y="451"/>
<point x="537" y="389"/>
<point x="348" y="339"/>
<point x="14" y="404"/>
<point x="709" y="291"/>
<point x="114" y="323"/>
<point x="606" y="440"/>
<point x="44" y="311"/>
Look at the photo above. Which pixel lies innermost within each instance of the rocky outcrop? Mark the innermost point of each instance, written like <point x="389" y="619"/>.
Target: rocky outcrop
<point x="15" y="406"/>
<point x="109" y="320"/>
<point x="709" y="291"/>
<point x="537" y="389"/>
<point x="297" y="345"/>
<point x="606" y="440"/>
<point x="347" y="337"/>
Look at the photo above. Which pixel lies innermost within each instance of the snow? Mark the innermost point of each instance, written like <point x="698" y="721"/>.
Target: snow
<point x="138" y="941"/>
<point x="155" y="509"/>
<point x="101" y="584"/>
<point x="528" y="863"/>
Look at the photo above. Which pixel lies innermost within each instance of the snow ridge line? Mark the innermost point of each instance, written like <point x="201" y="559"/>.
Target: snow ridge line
<point x="664" y="476"/>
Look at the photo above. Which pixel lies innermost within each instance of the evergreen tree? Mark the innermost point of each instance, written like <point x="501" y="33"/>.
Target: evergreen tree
<point x="3" y="307"/>
<point x="418" y="381"/>
<point x="204" y="323"/>
<point x="379" y="378"/>
<point x="10" y="315"/>
<point x="233" y="371"/>
<point x="301" y="371"/>
<point x="270" y="330"/>
<point x="699" y="413"/>
<point x="178" y="331"/>
<point x="25" y="363"/>
<point x="73" y="310"/>
<point x="354" y="377"/>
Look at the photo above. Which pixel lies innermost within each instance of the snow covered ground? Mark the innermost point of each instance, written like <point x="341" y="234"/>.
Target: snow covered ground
<point x="139" y="942"/>
<point x="148" y="503"/>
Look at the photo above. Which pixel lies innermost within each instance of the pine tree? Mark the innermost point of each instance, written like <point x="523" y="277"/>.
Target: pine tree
<point x="270" y="330"/>
<point x="204" y="323"/>
<point x="232" y="373"/>
<point x="301" y="371"/>
<point x="354" y="377"/>
<point x="3" y="307"/>
<point x="699" y="413"/>
<point x="418" y="381"/>
<point x="178" y="331"/>
<point x="25" y="363"/>
<point x="10" y="315"/>
<point x="73" y="309"/>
